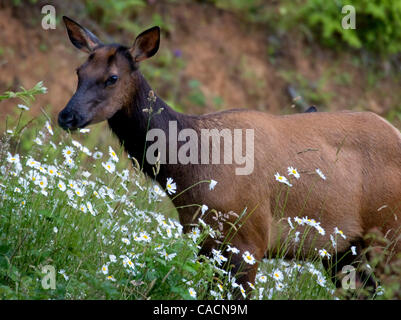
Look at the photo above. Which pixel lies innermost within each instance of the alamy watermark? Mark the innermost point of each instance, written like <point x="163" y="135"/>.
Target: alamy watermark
<point x="49" y="20"/>
<point x="349" y="20"/>
<point x="348" y="282"/>
<point x="49" y="279"/>
<point x="207" y="146"/>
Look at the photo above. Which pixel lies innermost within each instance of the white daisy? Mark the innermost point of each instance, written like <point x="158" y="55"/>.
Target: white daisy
<point x="61" y="185"/>
<point x="299" y="221"/>
<point x="195" y="233"/>
<point x="242" y="290"/>
<point x="251" y="285"/>
<point x="49" y="127"/>
<point x="323" y="253"/>
<point x="69" y="162"/>
<point x="32" y="163"/>
<point x="340" y="232"/>
<point x="333" y="241"/>
<point x="277" y="275"/>
<point x="279" y="286"/>
<point x="62" y="272"/>
<point x="167" y="256"/>
<point x="90" y="208"/>
<point x="321" y="280"/>
<point x="171" y="186"/>
<point x="105" y="269"/>
<point x="97" y="155"/>
<point x="320" y="230"/>
<point x="111" y="278"/>
<point x="23" y="107"/>
<point x="68" y="152"/>
<point x="52" y="170"/>
<point x="261" y="278"/>
<point x="13" y="158"/>
<point x="82" y="208"/>
<point x="212" y="184"/>
<point x="113" y="155"/>
<point x="218" y="257"/>
<point x="248" y="257"/>
<point x="282" y="179"/>
<point x="109" y="166"/>
<point x="145" y="237"/>
<point x="294" y="172"/>
<point x="290" y="223"/>
<point x="320" y="173"/>
<point x="42" y="182"/>
<point x="86" y="174"/>
<point x="232" y="249"/>
<point x="192" y="292"/>
<point x="157" y="191"/>
<point x="79" y="192"/>
<point x="38" y="141"/>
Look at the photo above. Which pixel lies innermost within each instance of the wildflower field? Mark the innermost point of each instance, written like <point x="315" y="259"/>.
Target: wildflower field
<point x="82" y="208"/>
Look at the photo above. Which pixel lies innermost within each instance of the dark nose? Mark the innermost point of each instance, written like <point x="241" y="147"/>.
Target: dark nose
<point x="66" y="119"/>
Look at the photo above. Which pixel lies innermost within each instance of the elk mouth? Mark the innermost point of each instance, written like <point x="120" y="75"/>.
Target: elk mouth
<point x="70" y="122"/>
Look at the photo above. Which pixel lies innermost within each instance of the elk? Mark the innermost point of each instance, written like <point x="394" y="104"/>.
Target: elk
<point x="358" y="152"/>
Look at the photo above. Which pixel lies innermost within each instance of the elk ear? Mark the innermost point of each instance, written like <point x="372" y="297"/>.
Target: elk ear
<point x="146" y="44"/>
<point x="81" y="37"/>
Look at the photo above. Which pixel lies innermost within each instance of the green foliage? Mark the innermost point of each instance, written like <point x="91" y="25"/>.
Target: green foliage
<point x="378" y="24"/>
<point x="20" y="2"/>
<point x="119" y="13"/>
<point x="26" y="95"/>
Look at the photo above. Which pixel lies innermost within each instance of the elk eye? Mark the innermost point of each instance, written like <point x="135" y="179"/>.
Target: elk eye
<point x="111" y="80"/>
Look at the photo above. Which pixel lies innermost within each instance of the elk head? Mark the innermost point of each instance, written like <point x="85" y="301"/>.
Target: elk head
<point x="106" y="81"/>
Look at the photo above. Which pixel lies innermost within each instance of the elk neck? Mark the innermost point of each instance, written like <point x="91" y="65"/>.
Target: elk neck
<point x="131" y="123"/>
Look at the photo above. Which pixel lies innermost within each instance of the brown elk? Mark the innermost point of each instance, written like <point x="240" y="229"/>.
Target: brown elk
<point x="359" y="153"/>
